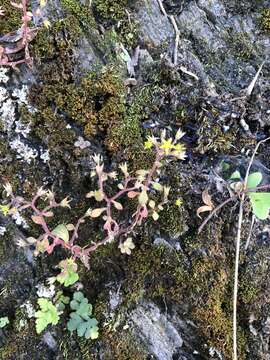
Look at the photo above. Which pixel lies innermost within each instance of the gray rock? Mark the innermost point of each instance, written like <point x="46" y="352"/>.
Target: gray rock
<point x="162" y="335"/>
<point x="154" y="26"/>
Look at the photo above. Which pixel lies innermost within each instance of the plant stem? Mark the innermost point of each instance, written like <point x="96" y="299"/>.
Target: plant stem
<point x="237" y="252"/>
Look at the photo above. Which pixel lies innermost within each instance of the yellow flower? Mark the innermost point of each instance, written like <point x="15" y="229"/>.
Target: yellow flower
<point x="167" y="146"/>
<point x="42" y="3"/>
<point x="179" y="151"/>
<point x="178" y="202"/>
<point x="148" y="144"/>
<point x="47" y="24"/>
<point x="179" y="147"/>
<point x="4" y="209"/>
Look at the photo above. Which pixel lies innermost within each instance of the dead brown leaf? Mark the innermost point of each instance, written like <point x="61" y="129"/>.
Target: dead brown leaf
<point x="209" y="206"/>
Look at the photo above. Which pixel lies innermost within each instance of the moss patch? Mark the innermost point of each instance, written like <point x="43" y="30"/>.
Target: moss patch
<point x="265" y="20"/>
<point x="11" y="20"/>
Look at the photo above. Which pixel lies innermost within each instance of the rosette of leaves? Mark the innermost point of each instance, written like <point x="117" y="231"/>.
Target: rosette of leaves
<point x="68" y="275"/>
<point x="80" y="319"/>
<point x="46" y="315"/>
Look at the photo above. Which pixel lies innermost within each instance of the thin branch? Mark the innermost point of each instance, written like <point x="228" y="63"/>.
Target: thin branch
<point x="250" y="231"/>
<point x="220" y="206"/>
<point x="176" y="30"/>
<point x="177" y="38"/>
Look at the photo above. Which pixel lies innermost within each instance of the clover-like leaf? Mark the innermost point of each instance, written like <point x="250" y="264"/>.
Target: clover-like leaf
<point x="74" y="322"/>
<point x="235" y="175"/>
<point x="92" y="330"/>
<point x="46" y="315"/>
<point x="80" y="319"/>
<point x="260" y="204"/>
<point x="254" y="180"/>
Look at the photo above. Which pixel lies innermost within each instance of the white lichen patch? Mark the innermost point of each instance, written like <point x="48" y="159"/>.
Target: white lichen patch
<point x="16" y="130"/>
<point x="7" y="114"/>
<point x="24" y="151"/>
<point x="29" y="308"/>
<point x="19" y="220"/>
<point x="21" y="128"/>
<point x="45" y="156"/>
<point x="2" y="230"/>
<point x="3" y="75"/>
<point x="21" y="95"/>
<point x="81" y="143"/>
<point x="45" y="291"/>
<point x="3" y="94"/>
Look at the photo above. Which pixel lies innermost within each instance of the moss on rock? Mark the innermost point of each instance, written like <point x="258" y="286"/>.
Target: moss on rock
<point x="265" y="20"/>
<point x="11" y="20"/>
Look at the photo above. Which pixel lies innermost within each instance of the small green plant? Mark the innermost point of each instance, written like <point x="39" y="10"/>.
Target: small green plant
<point x="46" y="315"/>
<point x="68" y="275"/>
<point x="61" y="301"/>
<point x="3" y="321"/>
<point x="80" y="319"/>
<point x="260" y="201"/>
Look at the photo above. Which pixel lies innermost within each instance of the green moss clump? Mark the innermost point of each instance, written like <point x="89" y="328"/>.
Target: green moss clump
<point x="212" y="138"/>
<point x="11" y="20"/>
<point x="110" y="10"/>
<point x="241" y="45"/>
<point x="129" y="134"/>
<point x="265" y="20"/>
<point x="97" y="104"/>
<point x="173" y="220"/>
<point x="81" y="12"/>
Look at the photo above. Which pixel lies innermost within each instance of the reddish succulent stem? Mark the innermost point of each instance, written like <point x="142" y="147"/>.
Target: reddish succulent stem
<point x="114" y="230"/>
<point x="22" y="44"/>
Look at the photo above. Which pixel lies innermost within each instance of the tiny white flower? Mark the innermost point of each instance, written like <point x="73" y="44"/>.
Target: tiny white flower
<point x="127" y="246"/>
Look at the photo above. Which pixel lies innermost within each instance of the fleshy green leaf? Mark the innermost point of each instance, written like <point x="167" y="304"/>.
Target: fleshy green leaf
<point x="61" y="231"/>
<point x="157" y="186"/>
<point x="260" y="204"/>
<point x="97" y="212"/>
<point x="235" y="175"/>
<point x="254" y="180"/>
